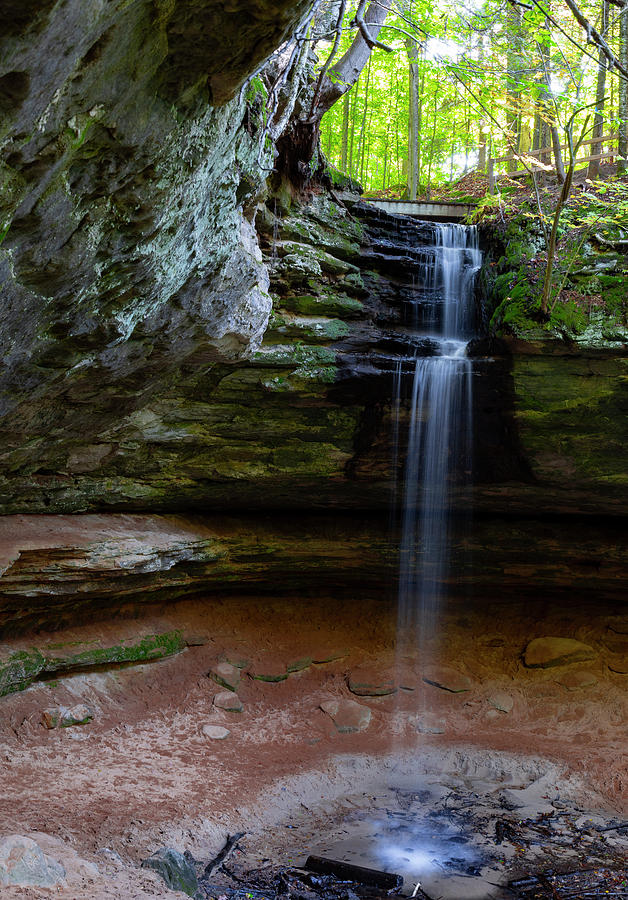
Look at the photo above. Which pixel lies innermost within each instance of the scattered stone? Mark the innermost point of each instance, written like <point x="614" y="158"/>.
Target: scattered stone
<point x="547" y="652"/>
<point x="326" y="655"/>
<point x="216" y="732"/>
<point x="226" y="675"/>
<point x="501" y="701"/>
<point x="368" y="682"/>
<point x="228" y="701"/>
<point x="195" y="639"/>
<point x="430" y="725"/>
<point x="574" y="680"/>
<point x="62" y="717"/>
<point x="272" y="677"/>
<point x="298" y="665"/>
<point x="347" y="715"/>
<point x="447" y="679"/>
<point x="619" y="624"/>
<point x="21" y="668"/>
<point x="174" y="868"/>
<point x="619" y="665"/>
<point x="238" y="661"/>
<point x="23" y="862"/>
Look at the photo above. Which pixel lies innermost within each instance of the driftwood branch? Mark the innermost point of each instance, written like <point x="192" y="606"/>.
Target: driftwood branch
<point x="222" y="857"/>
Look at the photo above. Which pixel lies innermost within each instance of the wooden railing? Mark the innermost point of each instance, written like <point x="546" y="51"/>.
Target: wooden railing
<point x="533" y="159"/>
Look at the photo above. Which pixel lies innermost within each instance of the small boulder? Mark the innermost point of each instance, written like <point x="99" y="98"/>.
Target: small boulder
<point x="226" y="675"/>
<point x="23" y="862"/>
<point x="240" y="662"/>
<point x="501" y="701"/>
<point x="578" y="679"/>
<point x="62" y="717"/>
<point x="323" y="655"/>
<point x="268" y="674"/>
<point x="175" y="870"/>
<point x="299" y="665"/>
<point x="447" y="679"/>
<point x="369" y="682"/>
<point x="429" y="724"/>
<point x="215" y="732"/>
<point x="228" y="701"/>
<point x="347" y="715"/>
<point x="618" y="665"/>
<point x="547" y="652"/>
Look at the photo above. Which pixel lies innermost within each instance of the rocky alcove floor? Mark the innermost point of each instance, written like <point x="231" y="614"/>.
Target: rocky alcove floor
<point x="463" y="779"/>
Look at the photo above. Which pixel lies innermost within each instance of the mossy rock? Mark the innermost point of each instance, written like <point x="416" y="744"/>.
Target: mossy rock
<point x="342" y="182"/>
<point x="304" y="255"/>
<point x="311" y="329"/>
<point x="23" y="667"/>
<point x="340" y="305"/>
<point x="174" y="868"/>
<point x="20" y="670"/>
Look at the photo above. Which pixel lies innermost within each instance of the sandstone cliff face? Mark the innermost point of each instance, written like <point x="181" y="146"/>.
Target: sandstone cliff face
<point x="128" y="176"/>
<point x="144" y="373"/>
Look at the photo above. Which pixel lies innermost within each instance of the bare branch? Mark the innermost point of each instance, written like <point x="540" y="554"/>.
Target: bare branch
<point x="366" y="34"/>
<point x="594" y="37"/>
<point x="329" y="60"/>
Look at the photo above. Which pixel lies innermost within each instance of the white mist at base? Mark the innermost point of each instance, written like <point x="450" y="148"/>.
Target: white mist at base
<point x="425" y="848"/>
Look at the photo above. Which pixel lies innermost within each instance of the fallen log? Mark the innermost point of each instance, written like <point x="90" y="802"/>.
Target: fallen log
<point x="349" y="872"/>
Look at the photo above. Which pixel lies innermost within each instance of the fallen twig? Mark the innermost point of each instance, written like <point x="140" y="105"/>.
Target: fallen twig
<point x="230" y="845"/>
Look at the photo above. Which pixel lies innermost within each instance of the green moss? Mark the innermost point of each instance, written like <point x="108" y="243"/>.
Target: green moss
<point x="570" y="413"/>
<point x="296" y="355"/>
<point x="614" y="290"/>
<point x="328" y="304"/>
<point x="312" y="330"/>
<point x="22" y="668"/>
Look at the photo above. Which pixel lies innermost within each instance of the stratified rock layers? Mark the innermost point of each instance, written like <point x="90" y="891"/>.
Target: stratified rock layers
<point x="145" y="374"/>
<point x="128" y="180"/>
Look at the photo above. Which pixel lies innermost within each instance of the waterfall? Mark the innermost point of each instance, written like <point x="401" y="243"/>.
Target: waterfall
<point x="439" y="435"/>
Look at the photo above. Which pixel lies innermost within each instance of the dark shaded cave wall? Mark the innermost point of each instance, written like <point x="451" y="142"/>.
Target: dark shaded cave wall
<point x="128" y="180"/>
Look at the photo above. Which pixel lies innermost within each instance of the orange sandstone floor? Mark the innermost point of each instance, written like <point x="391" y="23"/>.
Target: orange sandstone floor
<point x="143" y="775"/>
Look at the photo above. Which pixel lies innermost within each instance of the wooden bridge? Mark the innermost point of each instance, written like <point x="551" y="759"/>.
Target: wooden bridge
<point x="434" y="212"/>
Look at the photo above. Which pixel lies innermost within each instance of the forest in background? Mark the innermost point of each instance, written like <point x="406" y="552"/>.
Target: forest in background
<point x="447" y="91"/>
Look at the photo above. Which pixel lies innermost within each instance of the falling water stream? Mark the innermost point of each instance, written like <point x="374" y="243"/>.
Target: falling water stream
<point x="439" y="436"/>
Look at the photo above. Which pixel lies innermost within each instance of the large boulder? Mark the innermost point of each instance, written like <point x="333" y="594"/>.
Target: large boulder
<point x="174" y="868"/>
<point x="23" y="862"/>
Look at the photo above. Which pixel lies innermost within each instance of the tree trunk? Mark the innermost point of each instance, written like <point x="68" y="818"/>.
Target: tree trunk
<point x="344" y="153"/>
<point x="297" y="146"/>
<point x="344" y="74"/>
<point x="549" y="107"/>
<point x="412" y="49"/>
<point x="364" y="130"/>
<point x="514" y="65"/>
<point x="598" y="122"/>
<point x="622" y="162"/>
